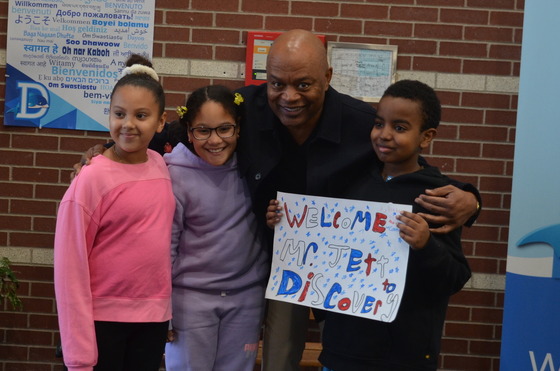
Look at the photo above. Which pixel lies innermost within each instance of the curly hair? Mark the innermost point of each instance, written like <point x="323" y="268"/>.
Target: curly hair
<point x="423" y="94"/>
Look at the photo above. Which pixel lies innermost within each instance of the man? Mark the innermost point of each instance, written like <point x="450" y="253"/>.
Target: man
<point x="299" y="135"/>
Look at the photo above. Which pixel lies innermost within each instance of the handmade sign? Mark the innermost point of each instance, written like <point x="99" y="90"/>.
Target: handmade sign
<point x="339" y="255"/>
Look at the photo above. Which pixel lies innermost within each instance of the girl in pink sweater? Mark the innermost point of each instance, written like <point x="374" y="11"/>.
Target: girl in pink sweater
<point x="112" y="264"/>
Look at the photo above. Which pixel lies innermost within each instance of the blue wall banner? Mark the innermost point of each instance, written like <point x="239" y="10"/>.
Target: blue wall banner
<point x="531" y="330"/>
<point x="64" y="56"/>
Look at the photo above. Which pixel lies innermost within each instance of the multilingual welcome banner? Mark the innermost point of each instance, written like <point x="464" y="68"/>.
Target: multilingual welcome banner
<point x="64" y="56"/>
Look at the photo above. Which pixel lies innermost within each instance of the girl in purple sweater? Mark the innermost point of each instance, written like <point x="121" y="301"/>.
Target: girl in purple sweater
<point x="219" y="264"/>
<point x="111" y="254"/>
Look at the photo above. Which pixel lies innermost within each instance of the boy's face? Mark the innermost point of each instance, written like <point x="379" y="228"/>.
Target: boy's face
<point x="215" y="150"/>
<point x="396" y="136"/>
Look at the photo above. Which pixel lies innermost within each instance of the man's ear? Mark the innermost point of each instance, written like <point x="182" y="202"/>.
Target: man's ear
<point x="427" y="137"/>
<point x="328" y="75"/>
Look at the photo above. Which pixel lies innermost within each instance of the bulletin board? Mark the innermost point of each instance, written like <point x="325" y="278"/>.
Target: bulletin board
<point x="362" y="71"/>
<point x="258" y="46"/>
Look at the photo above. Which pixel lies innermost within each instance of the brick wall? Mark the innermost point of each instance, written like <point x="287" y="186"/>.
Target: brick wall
<point x="469" y="50"/>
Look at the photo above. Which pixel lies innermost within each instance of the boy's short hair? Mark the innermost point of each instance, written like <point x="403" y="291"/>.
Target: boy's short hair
<point x="423" y="94"/>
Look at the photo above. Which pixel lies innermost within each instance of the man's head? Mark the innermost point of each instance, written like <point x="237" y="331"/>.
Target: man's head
<point x="298" y="76"/>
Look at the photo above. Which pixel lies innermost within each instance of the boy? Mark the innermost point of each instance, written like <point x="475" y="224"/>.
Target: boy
<point x="406" y="123"/>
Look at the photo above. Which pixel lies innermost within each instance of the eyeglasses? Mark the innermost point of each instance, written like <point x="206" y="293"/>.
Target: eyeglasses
<point x="203" y="133"/>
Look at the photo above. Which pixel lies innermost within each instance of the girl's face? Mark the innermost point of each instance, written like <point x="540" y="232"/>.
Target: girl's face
<point x="133" y="120"/>
<point x="219" y="147"/>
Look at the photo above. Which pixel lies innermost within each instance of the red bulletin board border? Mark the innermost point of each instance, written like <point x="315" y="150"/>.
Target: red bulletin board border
<point x="258" y="45"/>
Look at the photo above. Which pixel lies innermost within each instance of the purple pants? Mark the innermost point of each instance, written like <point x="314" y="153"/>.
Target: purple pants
<point x="215" y="330"/>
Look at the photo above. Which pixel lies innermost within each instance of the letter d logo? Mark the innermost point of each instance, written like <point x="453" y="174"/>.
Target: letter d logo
<point x="34" y="100"/>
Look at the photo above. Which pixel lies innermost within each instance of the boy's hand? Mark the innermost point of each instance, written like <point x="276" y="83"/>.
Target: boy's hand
<point x="452" y="206"/>
<point x="413" y="229"/>
<point x="273" y="213"/>
<point x="170" y="336"/>
<point x="86" y="158"/>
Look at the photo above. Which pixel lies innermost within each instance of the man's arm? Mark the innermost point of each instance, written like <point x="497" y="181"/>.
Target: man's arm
<point x="452" y="207"/>
<point x="86" y="158"/>
<point x="172" y="134"/>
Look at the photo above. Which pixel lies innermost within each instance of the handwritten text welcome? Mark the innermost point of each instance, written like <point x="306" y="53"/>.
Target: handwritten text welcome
<point x="339" y="255"/>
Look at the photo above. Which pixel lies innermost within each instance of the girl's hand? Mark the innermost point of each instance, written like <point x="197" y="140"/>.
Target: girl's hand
<point x="414" y="230"/>
<point x="273" y="213"/>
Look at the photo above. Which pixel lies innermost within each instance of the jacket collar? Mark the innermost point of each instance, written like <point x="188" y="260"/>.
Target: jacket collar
<point x="329" y="125"/>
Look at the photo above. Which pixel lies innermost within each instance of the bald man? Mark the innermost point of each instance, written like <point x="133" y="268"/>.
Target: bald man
<point x="299" y="135"/>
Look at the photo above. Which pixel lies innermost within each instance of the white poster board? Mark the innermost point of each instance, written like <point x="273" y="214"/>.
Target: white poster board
<point x="339" y="255"/>
<point x="64" y="56"/>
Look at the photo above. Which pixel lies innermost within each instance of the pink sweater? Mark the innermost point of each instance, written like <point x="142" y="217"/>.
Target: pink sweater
<point x="111" y="256"/>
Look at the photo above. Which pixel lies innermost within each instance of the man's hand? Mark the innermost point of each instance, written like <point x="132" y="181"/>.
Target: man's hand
<point x="86" y="158"/>
<point x="452" y="207"/>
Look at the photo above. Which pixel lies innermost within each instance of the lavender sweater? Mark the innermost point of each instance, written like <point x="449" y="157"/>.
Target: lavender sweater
<point x="214" y="240"/>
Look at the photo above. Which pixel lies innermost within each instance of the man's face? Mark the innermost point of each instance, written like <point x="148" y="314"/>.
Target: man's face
<point x="296" y="89"/>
